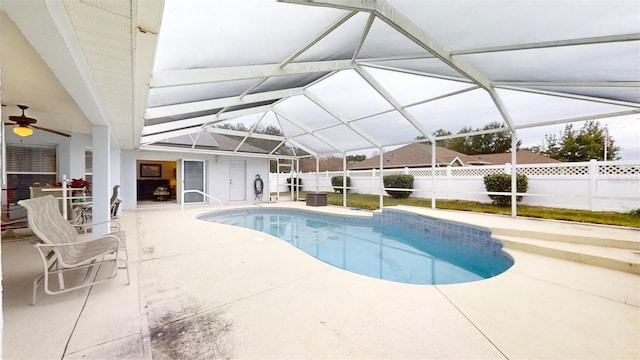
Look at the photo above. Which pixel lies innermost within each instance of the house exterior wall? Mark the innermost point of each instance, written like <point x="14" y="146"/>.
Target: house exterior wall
<point x="216" y="167"/>
<point x="70" y="150"/>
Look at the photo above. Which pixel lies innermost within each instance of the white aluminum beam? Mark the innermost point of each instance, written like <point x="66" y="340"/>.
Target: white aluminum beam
<point x="185" y="108"/>
<point x="151" y="138"/>
<point x="387" y="13"/>
<point x="365" y="31"/>
<point x="326" y="32"/>
<point x="453" y="93"/>
<point x="308" y="131"/>
<point x="202" y="120"/>
<point x="342" y="119"/>
<point x="301" y="146"/>
<point x="199" y="76"/>
<point x="412" y="72"/>
<point x="471" y="133"/>
<point x="576" y="119"/>
<point x="621" y="84"/>
<point x="232" y="132"/>
<point x="550" y="44"/>
<point x="385" y="94"/>
<point x="147" y="19"/>
<point x="571" y="96"/>
<point x="162" y="148"/>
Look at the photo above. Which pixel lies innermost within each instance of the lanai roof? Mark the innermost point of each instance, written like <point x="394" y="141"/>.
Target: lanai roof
<point x="350" y="75"/>
<point x="327" y="76"/>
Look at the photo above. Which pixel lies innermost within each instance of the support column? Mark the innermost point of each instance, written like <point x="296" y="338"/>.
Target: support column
<point x="381" y="179"/>
<point x="433" y="174"/>
<point x="344" y="179"/>
<point x="317" y="174"/>
<point x="100" y="188"/>
<point x="514" y="172"/>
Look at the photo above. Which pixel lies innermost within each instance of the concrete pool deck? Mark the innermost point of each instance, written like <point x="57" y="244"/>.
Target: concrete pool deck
<point x="206" y="290"/>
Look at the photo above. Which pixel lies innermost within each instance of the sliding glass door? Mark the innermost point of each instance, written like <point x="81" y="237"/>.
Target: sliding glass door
<point x="193" y="178"/>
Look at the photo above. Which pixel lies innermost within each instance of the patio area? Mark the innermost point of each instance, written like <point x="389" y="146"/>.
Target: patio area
<point x="205" y="290"/>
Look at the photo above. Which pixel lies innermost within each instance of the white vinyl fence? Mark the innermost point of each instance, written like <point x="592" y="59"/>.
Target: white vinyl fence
<point x="593" y="185"/>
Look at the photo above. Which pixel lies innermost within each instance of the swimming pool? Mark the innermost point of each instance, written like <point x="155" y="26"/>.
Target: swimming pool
<point x="392" y="245"/>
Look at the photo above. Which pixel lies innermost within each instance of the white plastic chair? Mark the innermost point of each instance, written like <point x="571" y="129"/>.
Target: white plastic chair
<point x="63" y="249"/>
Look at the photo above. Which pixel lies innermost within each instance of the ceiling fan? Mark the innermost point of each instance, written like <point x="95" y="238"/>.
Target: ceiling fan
<point x="24" y="125"/>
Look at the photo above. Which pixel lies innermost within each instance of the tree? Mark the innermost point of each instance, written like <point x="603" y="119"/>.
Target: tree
<point x="356" y="158"/>
<point x="491" y="143"/>
<point x="442" y="132"/>
<point x="579" y="145"/>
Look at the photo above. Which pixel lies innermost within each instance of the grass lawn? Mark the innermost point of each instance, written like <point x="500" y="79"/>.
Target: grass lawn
<point x="371" y="202"/>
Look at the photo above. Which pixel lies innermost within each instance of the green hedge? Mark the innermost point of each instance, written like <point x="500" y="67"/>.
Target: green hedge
<point x="398" y="182"/>
<point x="502" y="183"/>
<point x="336" y="182"/>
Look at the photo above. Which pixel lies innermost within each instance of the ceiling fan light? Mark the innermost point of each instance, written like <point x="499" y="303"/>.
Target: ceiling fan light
<point x="22" y="131"/>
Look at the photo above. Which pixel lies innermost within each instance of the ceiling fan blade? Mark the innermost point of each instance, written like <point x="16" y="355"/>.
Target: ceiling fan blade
<point x="8" y="123"/>
<point x="51" y="131"/>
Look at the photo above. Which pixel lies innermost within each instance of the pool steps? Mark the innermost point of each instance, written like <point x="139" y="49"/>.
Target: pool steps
<point x="612" y="254"/>
<point x="570" y="238"/>
<point x="599" y="245"/>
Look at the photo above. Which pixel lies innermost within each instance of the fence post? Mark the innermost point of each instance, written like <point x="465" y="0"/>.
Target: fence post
<point x="406" y="170"/>
<point x="448" y="181"/>
<point x="507" y="168"/>
<point x="593" y="176"/>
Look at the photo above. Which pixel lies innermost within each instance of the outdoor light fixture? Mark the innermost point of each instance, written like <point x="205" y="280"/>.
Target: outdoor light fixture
<point x="22" y="131"/>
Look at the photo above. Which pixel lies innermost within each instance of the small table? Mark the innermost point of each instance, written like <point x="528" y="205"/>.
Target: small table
<point x="161" y="195"/>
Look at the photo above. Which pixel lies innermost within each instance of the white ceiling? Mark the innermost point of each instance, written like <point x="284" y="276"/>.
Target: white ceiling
<point x="338" y="76"/>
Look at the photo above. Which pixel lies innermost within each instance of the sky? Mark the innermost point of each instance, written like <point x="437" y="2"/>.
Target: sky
<point x="624" y="130"/>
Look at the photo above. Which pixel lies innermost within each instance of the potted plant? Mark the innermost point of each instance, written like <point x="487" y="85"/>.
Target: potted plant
<point x="81" y="185"/>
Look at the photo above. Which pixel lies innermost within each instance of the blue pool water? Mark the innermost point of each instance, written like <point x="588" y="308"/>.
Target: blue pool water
<point x="393" y="245"/>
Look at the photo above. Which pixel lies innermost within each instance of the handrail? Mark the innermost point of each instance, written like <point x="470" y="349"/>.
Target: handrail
<point x="198" y="192"/>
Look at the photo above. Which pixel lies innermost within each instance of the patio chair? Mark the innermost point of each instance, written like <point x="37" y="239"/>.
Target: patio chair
<point x="83" y="213"/>
<point x="63" y="249"/>
<point x="115" y="202"/>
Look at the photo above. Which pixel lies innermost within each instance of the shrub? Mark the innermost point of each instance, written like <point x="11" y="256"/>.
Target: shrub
<point x="296" y="181"/>
<point x="502" y="183"/>
<point x="398" y="182"/>
<point x="635" y="213"/>
<point x="336" y="182"/>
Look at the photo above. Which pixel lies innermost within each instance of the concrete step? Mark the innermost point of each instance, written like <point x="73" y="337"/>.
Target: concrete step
<point x="615" y="258"/>
<point x="612" y="238"/>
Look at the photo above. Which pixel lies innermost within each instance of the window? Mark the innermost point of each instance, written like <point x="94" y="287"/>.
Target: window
<point x="29" y="165"/>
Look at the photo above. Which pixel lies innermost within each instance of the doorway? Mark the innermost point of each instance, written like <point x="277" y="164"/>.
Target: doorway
<point x="155" y="182"/>
<point x="237" y="184"/>
<point x="193" y="180"/>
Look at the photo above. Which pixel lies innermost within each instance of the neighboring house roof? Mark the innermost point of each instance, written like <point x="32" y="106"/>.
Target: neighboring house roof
<point x="522" y="157"/>
<point x="412" y="155"/>
<point x="419" y="155"/>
